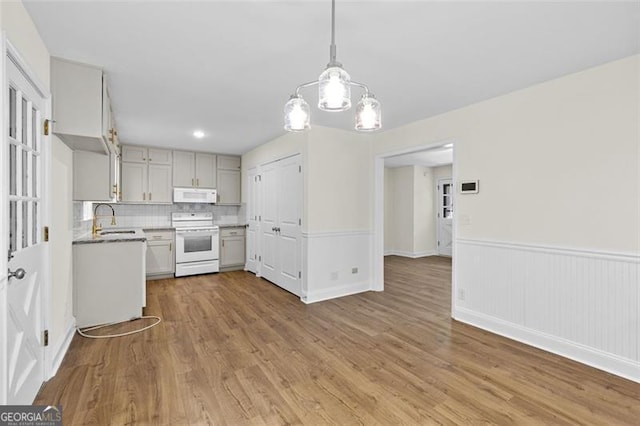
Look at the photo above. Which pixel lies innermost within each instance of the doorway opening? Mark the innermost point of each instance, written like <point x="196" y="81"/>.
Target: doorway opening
<point x="414" y="206"/>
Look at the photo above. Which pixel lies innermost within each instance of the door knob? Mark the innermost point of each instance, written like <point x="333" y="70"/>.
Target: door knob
<point x="19" y="273"/>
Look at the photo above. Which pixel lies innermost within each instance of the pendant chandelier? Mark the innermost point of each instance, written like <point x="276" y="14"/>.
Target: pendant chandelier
<point x="334" y="94"/>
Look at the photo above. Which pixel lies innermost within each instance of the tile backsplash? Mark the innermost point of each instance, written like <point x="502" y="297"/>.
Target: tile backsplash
<point x="147" y="215"/>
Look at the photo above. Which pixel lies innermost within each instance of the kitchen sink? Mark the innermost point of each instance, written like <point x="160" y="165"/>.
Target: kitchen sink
<point x="117" y="232"/>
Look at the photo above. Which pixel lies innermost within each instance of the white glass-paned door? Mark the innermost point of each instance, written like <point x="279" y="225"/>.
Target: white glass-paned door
<point x="445" y="217"/>
<point x="27" y="259"/>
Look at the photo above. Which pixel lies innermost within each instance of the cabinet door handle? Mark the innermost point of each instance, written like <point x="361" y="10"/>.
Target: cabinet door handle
<point x="193" y="182"/>
<point x="149" y="196"/>
<point x="170" y="246"/>
<point x="222" y="243"/>
<point x="144" y="196"/>
<point x="197" y="181"/>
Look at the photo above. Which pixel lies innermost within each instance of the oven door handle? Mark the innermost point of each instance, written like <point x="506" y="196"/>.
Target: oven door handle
<point x="198" y="231"/>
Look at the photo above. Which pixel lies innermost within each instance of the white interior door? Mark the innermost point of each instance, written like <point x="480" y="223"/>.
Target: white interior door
<point x="251" y="262"/>
<point x="289" y="194"/>
<point x="268" y="236"/>
<point x="445" y="217"/>
<point x="280" y="188"/>
<point x="27" y="256"/>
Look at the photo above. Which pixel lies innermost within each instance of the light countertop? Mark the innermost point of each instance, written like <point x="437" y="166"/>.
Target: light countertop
<point x="118" y="237"/>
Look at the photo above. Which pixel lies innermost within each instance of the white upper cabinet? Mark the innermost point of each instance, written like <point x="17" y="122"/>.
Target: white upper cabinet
<point x="160" y="156"/>
<point x="96" y="177"/>
<point x="143" y="154"/>
<point x="205" y="170"/>
<point x="81" y="107"/>
<point x="227" y="162"/>
<point x="229" y="187"/>
<point x="160" y="189"/>
<point x="194" y="169"/>
<point x="91" y="173"/>
<point x="184" y="169"/>
<point x="109" y="133"/>
<point x="146" y="174"/>
<point x="228" y="179"/>
<point x="134" y="182"/>
<point x="134" y="154"/>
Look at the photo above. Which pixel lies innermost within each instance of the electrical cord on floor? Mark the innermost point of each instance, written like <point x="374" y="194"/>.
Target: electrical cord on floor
<point x="107" y="336"/>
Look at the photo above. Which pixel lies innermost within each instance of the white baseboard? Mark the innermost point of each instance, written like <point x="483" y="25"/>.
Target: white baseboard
<point x="61" y="350"/>
<point x="595" y="358"/>
<point x="412" y="255"/>
<point x="337" y="291"/>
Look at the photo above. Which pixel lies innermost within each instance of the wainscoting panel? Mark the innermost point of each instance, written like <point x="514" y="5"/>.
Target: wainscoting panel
<point x="331" y="259"/>
<point x="581" y="304"/>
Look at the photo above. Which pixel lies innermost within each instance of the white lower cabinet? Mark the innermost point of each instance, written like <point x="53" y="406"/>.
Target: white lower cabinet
<point x="232" y="248"/>
<point x="160" y="253"/>
<point x="108" y="282"/>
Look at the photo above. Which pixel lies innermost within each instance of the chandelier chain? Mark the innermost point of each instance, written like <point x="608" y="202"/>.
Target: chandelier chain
<point x="332" y="48"/>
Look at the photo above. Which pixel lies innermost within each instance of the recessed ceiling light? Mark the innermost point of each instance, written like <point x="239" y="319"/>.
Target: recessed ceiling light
<point x="198" y="134"/>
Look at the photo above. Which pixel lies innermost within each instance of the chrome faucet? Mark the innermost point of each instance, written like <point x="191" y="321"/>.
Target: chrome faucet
<point x="95" y="228"/>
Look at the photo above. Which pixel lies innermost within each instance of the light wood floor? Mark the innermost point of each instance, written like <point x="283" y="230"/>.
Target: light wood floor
<point x="234" y="349"/>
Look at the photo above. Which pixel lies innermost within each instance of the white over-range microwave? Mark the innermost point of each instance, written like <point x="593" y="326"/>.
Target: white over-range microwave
<point x="194" y="195"/>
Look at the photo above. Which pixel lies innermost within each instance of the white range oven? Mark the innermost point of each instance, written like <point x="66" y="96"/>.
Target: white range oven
<point x="196" y="243"/>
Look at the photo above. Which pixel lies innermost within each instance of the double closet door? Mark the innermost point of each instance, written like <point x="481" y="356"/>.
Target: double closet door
<point x="279" y="194"/>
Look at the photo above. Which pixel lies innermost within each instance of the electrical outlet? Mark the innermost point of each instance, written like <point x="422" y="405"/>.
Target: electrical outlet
<point x="354" y="270"/>
<point x="461" y="294"/>
<point x="334" y="276"/>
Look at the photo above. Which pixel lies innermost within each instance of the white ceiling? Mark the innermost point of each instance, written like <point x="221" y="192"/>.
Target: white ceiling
<point x="434" y="157"/>
<point x="228" y="67"/>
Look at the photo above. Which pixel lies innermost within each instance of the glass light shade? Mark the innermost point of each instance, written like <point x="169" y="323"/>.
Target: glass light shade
<point x="368" y="114"/>
<point x="296" y="115"/>
<point x="334" y="90"/>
